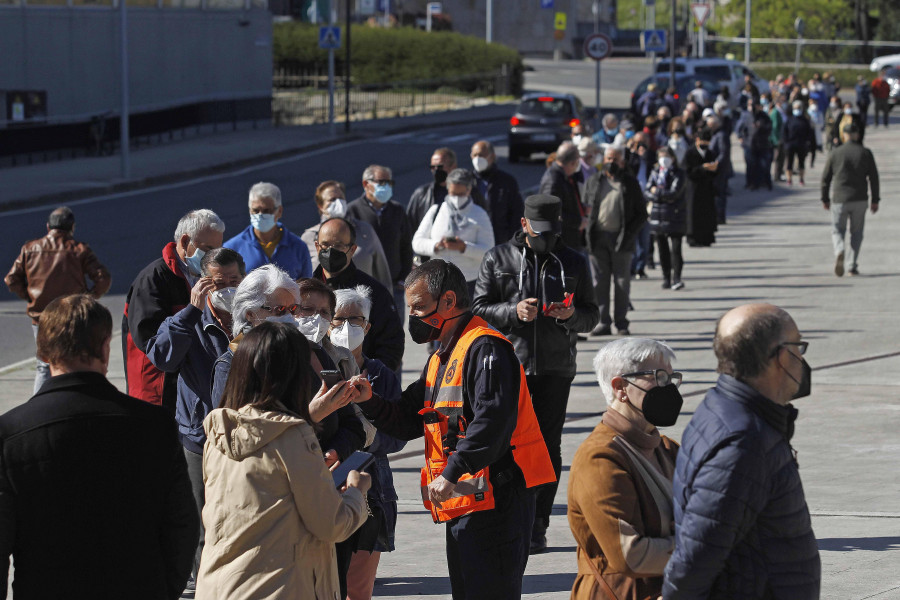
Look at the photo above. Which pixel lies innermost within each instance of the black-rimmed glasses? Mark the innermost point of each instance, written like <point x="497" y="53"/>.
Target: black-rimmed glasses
<point x="801" y="347"/>
<point x="339" y="321"/>
<point x="663" y="377"/>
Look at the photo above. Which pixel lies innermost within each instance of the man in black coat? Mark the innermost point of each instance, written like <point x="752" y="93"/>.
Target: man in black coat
<point x="560" y="180"/>
<point x="95" y="500"/>
<point x="500" y="190"/>
<point x="524" y="309"/>
<point x="701" y="165"/>
<point x="618" y="212"/>
<point x="336" y="243"/>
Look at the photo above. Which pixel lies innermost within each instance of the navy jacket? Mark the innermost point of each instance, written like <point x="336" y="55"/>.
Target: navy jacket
<point x="742" y="527"/>
<point x="503" y="201"/>
<point x="291" y="253"/>
<point x="188" y="343"/>
<point x="393" y="230"/>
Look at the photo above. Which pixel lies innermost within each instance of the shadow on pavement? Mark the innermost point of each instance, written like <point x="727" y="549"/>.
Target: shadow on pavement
<point x="877" y="544"/>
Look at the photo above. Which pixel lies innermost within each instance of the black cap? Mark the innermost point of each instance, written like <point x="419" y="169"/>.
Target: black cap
<point x="851" y="127"/>
<point x="542" y="211"/>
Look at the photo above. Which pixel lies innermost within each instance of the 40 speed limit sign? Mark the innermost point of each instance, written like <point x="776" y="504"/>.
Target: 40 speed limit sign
<point x="598" y="46"/>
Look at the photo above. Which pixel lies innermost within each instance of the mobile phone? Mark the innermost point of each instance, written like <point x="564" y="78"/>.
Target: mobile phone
<point x="358" y="461"/>
<point x="331" y="378"/>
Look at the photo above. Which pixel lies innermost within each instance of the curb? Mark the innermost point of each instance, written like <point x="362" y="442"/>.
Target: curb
<point x="187" y="174"/>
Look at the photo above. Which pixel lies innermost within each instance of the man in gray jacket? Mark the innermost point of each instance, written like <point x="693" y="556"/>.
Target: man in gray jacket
<point x="850" y="166"/>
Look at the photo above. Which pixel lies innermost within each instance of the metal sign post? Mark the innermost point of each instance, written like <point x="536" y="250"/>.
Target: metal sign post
<point x="598" y="46"/>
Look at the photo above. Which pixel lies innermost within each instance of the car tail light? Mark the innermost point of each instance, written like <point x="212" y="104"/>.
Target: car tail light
<point x="574" y="122"/>
<point x="514" y="121"/>
<point x="675" y="96"/>
<point x="546" y="99"/>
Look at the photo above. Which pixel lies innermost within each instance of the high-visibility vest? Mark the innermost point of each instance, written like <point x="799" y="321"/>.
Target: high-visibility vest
<point x="445" y="424"/>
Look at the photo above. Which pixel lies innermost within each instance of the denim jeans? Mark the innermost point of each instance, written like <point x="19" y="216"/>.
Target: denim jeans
<point x="42" y="373"/>
<point x="643" y="250"/>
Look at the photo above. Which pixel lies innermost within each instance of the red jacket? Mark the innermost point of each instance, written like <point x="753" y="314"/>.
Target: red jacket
<point x="160" y="290"/>
<point x="880" y="88"/>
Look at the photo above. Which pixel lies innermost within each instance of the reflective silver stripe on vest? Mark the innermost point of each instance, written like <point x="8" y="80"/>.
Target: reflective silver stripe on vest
<point x="466" y="487"/>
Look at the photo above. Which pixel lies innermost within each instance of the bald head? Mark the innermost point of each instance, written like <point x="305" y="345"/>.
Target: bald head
<point x="746" y="336"/>
<point x="337" y="231"/>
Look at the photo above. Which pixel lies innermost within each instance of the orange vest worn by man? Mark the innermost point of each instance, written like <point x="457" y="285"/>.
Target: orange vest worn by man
<point x="484" y="453"/>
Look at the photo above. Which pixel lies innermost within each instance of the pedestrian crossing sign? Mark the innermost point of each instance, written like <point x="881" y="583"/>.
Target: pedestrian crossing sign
<point x="329" y="38"/>
<point x="654" y="40"/>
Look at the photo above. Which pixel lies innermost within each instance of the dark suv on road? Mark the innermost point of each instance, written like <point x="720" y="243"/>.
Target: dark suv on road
<point x="542" y="122"/>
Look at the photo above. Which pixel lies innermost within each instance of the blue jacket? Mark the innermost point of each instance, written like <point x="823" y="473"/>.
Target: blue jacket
<point x="742" y="527"/>
<point x="291" y="254"/>
<point x="382" y="493"/>
<point x="188" y="343"/>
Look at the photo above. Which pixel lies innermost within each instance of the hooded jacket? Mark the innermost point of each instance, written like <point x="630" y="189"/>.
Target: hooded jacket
<point x="512" y="272"/>
<point x="272" y="514"/>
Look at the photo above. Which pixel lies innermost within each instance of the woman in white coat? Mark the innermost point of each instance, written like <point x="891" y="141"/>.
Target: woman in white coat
<point x="457" y="230"/>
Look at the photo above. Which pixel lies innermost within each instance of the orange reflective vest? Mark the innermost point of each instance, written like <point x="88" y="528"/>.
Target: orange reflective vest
<point x="445" y="424"/>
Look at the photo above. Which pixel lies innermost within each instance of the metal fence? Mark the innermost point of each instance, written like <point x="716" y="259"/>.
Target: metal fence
<point x="301" y="97"/>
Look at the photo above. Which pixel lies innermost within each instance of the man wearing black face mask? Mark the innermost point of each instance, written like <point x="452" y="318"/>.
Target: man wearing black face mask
<point x="484" y="449"/>
<point x="336" y="244"/>
<point x="743" y="528"/>
<point x="544" y="334"/>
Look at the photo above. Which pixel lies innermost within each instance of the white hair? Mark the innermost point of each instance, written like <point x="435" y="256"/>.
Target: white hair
<point x="196" y="221"/>
<point x="371" y="170"/>
<point x="254" y="290"/>
<point x="461" y="177"/>
<point x="359" y="296"/>
<point x="265" y="190"/>
<point x="627" y="356"/>
<point x="609" y="119"/>
<point x="586" y="145"/>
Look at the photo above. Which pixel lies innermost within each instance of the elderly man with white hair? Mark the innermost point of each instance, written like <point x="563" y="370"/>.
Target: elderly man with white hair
<point x="561" y="180"/>
<point x="160" y="290"/>
<point x="267" y="240"/>
<point x="620" y="505"/>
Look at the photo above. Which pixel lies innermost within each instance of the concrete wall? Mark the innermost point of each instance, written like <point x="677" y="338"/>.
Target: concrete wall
<point x="176" y="57"/>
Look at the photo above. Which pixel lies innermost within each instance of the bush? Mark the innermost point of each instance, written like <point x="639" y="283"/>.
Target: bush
<point x="401" y="54"/>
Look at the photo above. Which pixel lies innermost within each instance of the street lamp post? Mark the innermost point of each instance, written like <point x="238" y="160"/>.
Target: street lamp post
<point x="747" y="34"/>
<point x="124" y="113"/>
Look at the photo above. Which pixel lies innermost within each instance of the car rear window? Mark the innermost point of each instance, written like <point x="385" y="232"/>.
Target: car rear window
<point x="547" y="107"/>
<point x="892" y="73"/>
<point x="719" y="72"/>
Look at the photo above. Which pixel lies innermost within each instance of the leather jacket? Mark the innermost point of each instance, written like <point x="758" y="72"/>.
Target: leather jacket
<point x="53" y="266"/>
<point x="512" y="272"/>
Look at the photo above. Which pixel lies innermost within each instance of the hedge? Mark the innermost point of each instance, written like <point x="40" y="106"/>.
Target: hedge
<point x="401" y="54"/>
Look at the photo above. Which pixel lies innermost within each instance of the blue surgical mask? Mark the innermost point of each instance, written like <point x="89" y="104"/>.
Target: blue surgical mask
<point x="612" y="132"/>
<point x="262" y="222"/>
<point x="383" y="192"/>
<point x="797" y="112"/>
<point x="193" y="262"/>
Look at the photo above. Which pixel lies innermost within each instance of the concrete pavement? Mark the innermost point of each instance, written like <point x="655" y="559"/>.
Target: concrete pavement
<point x="776" y="248"/>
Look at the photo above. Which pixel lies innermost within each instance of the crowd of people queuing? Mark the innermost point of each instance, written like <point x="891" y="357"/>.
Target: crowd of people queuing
<point x="236" y="341"/>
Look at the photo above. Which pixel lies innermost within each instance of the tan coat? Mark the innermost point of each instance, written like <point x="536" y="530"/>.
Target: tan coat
<point x="620" y="513"/>
<point x="272" y="515"/>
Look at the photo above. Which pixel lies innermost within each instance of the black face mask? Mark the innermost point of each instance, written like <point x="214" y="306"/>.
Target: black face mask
<point x="333" y="260"/>
<point x="805" y="382"/>
<point x="542" y="243"/>
<point x="440" y="175"/>
<point x="428" y="328"/>
<point x="613" y="169"/>
<point x="662" y="405"/>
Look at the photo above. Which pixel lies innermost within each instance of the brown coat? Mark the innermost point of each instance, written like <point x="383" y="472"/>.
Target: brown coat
<point x="53" y="266"/>
<point x="615" y="515"/>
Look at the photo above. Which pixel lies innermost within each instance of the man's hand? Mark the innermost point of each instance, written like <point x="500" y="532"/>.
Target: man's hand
<point x="561" y="313"/>
<point x="363" y="388"/>
<point x="873" y="207"/>
<point x="326" y="401"/>
<point x="331" y="460"/>
<point x="527" y="310"/>
<point x="440" y="490"/>
<point x="201" y="290"/>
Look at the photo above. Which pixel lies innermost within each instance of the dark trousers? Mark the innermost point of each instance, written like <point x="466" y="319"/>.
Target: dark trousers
<point x="800" y="154"/>
<point x="487" y="551"/>
<point x="779" y="157"/>
<point x="643" y="250"/>
<point x="549" y="396"/>
<point x="195" y="474"/>
<point x="882" y="106"/>
<point x="612" y="266"/>
<point x="669" y="261"/>
<point x="761" y="161"/>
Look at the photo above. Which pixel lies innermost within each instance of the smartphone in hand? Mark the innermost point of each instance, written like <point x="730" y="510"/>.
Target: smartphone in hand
<point x="358" y="461"/>
<point x="331" y="378"/>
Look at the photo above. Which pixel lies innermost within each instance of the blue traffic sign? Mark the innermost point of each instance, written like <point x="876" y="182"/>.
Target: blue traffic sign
<point x="654" y="40"/>
<point x="329" y="38"/>
<point x="546" y="3"/>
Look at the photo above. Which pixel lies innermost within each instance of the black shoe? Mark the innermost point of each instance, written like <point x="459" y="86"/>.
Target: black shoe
<point x="581" y="337"/>
<point x="853" y="272"/>
<point x="623" y="332"/>
<point x="641" y="274"/>
<point x="666" y="284"/>
<point x="538" y="537"/>
<point x="601" y="329"/>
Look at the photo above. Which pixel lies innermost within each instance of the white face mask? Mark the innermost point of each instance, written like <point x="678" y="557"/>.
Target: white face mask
<point x="313" y="327"/>
<point x="337" y="208"/>
<point x="665" y="162"/>
<point x="285" y="318"/>
<point x="222" y="299"/>
<point x="457" y="202"/>
<point x="848" y="111"/>
<point x="480" y="163"/>
<point x="576" y="139"/>
<point x="348" y="336"/>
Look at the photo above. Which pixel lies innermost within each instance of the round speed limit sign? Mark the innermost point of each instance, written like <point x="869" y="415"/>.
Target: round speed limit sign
<point x="598" y="46"/>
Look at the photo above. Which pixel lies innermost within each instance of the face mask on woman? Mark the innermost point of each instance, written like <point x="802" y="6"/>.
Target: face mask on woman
<point x="337" y="208"/>
<point x="665" y="162"/>
<point x="457" y="202"/>
<point x="314" y="327"/>
<point x="348" y="336"/>
<point x="797" y="112"/>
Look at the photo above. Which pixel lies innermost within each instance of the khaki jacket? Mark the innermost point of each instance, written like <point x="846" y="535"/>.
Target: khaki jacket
<point x="272" y="515"/>
<point x="620" y="513"/>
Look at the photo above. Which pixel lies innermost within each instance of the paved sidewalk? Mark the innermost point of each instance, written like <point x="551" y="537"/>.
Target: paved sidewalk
<point x="776" y="248"/>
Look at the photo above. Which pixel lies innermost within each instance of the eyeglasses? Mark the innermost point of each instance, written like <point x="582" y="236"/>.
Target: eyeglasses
<point x="340" y="247"/>
<point x="305" y="311"/>
<point x="663" y="377"/>
<point x="359" y="321"/>
<point x="436" y="167"/>
<point x="382" y="181"/>
<point x="280" y="310"/>
<point x="801" y="347"/>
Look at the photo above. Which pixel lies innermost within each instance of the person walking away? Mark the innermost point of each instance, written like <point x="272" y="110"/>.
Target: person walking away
<point x="53" y="266"/>
<point x="95" y="500"/>
<point x="863" y="98"/>
<point x="881" y="91"/>
<point x="849" y="173"/>
<point x="665" y="192"/>
<point x="541" y="312"/>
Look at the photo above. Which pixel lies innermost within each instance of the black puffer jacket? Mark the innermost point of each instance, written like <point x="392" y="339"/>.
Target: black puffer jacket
<point x="668" y="212"/>
<point x="512" y="272"/>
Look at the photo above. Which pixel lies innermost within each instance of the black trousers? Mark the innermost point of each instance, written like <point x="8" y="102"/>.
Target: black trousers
<point x="487" y="551"/>
<point x="549" y="396"/>
<point x="195" y="474"/>
<point x="669" y="260"/>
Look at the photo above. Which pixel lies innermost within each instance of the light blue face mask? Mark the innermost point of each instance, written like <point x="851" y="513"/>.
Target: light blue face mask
<point x="262" y="222"/>
<point x="797" y="112"/>
<point x="383" y="192"/>
<point x="193" y="262"/>
<point x="612" y="132"/>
